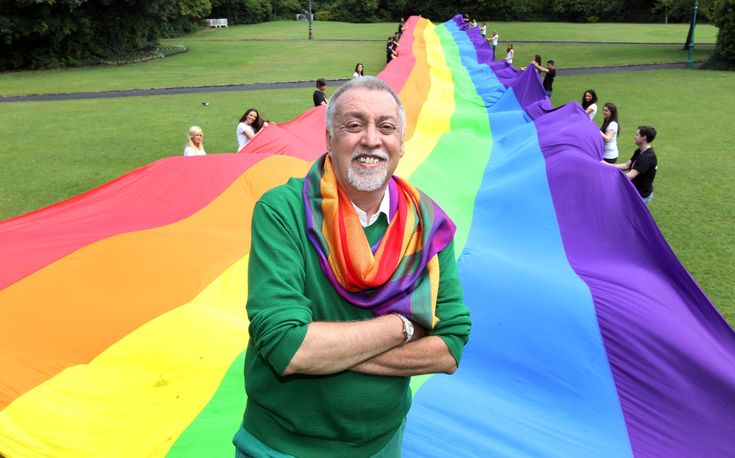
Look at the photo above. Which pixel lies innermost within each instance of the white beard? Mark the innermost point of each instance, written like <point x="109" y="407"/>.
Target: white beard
<point x="368" y="180"/>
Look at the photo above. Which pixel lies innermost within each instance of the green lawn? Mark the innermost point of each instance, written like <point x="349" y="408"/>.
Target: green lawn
<point x="210" y="63"/>
<point x="526" y="31"/>
<point x="574" y="56"/>
<point x="55" y="150"/>
<point x="280" y="51"/>
<point x="299" y="30"/>
<point x="600" y="32"/>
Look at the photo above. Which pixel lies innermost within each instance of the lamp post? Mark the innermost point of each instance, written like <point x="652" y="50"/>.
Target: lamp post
<point x="690" y="60"/>
<point x="310" y="16"/>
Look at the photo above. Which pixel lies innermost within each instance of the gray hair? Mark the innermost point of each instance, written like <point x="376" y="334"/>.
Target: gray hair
<point x="366" y="82"/>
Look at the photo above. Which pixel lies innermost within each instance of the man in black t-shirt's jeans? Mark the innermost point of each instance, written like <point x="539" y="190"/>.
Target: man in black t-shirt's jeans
<point x="643" y="164"/>
<point x="320" y="97"/>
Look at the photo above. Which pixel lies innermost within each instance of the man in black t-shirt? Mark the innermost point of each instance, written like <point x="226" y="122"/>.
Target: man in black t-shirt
<point x="549" y="77"/>
<point x="643" y="164"/>
<point x="320" y="98"/>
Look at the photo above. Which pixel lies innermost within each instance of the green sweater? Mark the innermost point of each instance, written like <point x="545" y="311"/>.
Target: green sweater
<point x="343" y="414"/>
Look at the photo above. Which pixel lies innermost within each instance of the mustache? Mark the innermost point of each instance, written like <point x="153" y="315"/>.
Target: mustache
<point x="379" y="153"/>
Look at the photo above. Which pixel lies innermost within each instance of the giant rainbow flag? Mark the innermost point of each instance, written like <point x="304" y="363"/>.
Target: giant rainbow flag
<point x="122" y="322"/>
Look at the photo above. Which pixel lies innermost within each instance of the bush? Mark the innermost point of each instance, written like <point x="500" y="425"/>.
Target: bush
<point x="323" y="15"/>
<point x="724" y="18"/>
<point x="242" y="11"/>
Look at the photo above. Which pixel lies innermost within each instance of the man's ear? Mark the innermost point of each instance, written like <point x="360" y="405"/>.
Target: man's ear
<point x="402" y="149"/>
<point x="327" y="140"/>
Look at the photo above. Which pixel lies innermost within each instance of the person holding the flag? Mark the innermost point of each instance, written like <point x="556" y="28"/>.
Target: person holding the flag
<point x="352" y="289"/>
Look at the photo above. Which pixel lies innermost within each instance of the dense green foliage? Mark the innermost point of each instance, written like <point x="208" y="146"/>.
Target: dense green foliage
<point x="724" y="18"/>
<point x="366" y="10"/>
<point x="242" y="11"/>
<point x="52" y="33"/>
<point x="39" y="34"/>
<point x="682" y="10"/>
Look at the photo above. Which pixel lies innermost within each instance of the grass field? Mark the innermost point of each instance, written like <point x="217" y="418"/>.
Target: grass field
<point x="577" y="56"/>
<point x="54" y="150"/>
<point x="250" y="54"/>
<point x="601" y="32"/>
<point x="529" y="31"/>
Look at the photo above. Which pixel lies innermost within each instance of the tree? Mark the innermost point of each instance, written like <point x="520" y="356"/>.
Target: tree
<point x="724" y="18"/>
<point x="286" y="8"/>
<point x="242" y="11"/>
<point x="52" y="33"/>
<point x="681" y="10"/>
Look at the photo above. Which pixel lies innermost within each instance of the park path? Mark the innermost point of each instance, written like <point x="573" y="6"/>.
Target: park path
<point x="286" y="85"/>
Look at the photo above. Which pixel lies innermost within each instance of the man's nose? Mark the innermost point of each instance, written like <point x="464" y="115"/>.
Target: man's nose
<point x="371" y="136"/>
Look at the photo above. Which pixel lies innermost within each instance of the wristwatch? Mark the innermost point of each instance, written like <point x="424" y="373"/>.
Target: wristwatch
<point x="407" y="328"/>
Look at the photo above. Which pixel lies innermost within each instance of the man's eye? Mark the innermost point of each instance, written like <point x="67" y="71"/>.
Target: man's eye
<point x="353" y="127"/>
<point x="388" y="128"/>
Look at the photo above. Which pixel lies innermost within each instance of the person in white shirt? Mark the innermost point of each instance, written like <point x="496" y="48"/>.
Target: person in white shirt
<point x="250" y="125"/>
<point x="483" y="30"/>
<point x="359" y="71"/>
<point x="609" y="131"/>
<point x="509" y="53"/>
<point x="195" y="144"/>
<point x="589" y="103"/>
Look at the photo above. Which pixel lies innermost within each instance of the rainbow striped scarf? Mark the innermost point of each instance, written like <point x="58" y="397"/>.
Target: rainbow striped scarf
<point x="400" y="273"/>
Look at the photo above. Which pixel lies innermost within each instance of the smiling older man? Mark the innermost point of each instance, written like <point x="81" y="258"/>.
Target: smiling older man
<point x="353" y="288"/>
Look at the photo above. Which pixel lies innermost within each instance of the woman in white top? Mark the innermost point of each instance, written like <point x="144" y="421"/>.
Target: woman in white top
<point x="359" y="71"/>
<point x="509" y="53"/>
<point x="250" y="125"/>
<point x="589" y="103"/>
<point x="609" y="131"/>
<point x="195" y="145"/>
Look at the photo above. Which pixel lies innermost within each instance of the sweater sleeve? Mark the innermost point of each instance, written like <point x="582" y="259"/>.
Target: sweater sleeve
<point x="454" y="316"/>
<point x="278" y="311"/>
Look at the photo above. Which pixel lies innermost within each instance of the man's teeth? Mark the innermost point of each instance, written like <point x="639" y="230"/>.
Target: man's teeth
<point x="368" y="160"/>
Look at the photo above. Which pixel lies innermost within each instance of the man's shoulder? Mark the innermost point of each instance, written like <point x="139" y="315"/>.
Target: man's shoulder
<point x="650" y="155"/>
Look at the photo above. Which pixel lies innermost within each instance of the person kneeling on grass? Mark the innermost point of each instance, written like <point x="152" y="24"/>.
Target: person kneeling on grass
<point x="641" y="167"/>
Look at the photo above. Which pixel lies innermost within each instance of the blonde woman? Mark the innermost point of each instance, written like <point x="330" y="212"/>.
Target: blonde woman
<point x="195" y="144"/>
